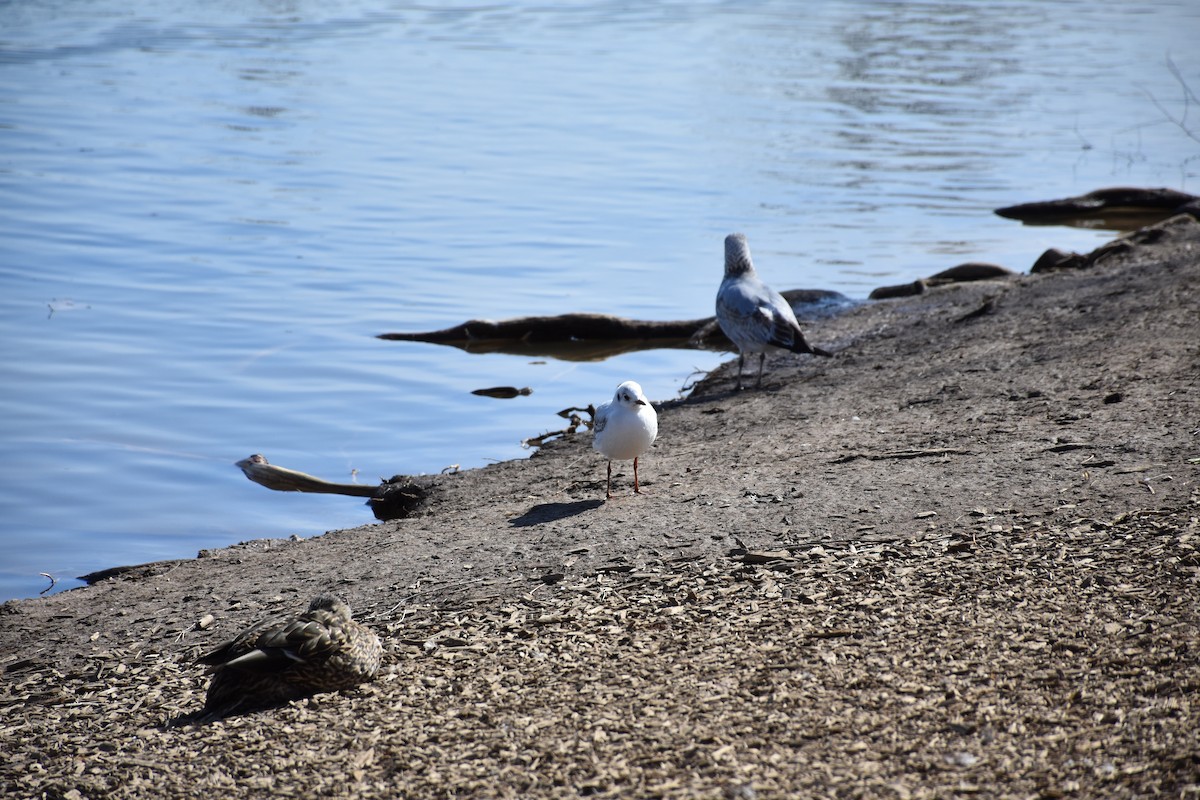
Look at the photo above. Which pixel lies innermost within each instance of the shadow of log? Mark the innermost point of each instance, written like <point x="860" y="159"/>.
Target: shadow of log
<point x="130" y="571"/>
<point x="1115" y="209"/>
<point x="595" y="337"/>
<point x="553" y="512"/>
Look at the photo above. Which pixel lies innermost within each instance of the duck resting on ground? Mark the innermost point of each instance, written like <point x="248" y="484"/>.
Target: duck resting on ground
<point x="286" y="658"/>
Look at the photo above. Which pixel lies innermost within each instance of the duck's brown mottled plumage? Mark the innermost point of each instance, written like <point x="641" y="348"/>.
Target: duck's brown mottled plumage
<point x="320" y="650"/>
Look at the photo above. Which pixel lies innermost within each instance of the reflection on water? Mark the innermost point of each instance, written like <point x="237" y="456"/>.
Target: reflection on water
<point x="209" y="214"/>
<point x="568" y="350"/>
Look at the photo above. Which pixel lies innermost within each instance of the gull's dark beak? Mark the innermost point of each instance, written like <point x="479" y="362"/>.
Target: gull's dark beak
<point x="640" y="402"/>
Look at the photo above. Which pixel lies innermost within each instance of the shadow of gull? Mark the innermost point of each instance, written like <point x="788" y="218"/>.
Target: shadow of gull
<point x="551" y="512"/>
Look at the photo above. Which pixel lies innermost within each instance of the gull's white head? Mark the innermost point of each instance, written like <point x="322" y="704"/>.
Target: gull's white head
<point x="630" y="394"/>
<point x="737" y="256"/>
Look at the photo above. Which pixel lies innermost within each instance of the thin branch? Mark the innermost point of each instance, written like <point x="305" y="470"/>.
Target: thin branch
<point x="1187" y="91"/>
<point x="1189" y="97"/>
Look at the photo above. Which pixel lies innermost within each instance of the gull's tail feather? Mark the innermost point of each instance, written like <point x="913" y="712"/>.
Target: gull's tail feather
<point x="798" y="344"/>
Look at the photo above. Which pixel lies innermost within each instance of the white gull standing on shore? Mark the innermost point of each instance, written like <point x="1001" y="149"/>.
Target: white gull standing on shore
<point x="753" y="315"/>
<point x="624" y="428"/>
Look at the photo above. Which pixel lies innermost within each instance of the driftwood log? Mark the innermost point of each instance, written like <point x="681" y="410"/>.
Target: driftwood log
<point x="963" y="273"/>
<point x="1119" y="209"/>
<point x="393" y="498"/>
<point x="594" y="337"/>
<point x="281" y="479"/>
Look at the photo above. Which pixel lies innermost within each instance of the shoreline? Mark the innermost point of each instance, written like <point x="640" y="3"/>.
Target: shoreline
<point x="961" y="552"/>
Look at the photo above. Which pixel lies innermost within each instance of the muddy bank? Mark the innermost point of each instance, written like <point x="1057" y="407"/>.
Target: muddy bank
<point x="959" y="557"/>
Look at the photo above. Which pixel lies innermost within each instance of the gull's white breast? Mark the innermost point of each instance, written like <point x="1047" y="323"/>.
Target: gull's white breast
<point x="625" y="433"/>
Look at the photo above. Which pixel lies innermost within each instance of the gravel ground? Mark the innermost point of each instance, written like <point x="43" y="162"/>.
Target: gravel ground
<point x="958" y="558"/>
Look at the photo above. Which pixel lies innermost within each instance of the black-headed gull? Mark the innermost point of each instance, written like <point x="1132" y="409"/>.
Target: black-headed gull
<point x="753" y="315"/>
<point x="624" y="428"/>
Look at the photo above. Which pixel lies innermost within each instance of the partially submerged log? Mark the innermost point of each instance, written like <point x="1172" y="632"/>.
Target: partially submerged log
<point x="1119" y="208"/>
<point x="569" y="337"/>
<point x="970" y="271"/>
<point x="393" y="498"/>
<point x="594" y="337"/>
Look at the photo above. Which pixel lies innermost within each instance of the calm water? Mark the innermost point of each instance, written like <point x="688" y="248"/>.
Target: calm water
<point x="209" y="212"/>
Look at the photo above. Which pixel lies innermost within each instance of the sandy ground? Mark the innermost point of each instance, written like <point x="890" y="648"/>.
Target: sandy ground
<point x="958" y="558"/>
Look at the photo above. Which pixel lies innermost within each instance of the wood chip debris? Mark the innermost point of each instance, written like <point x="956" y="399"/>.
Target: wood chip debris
<point x="693" y="678"/>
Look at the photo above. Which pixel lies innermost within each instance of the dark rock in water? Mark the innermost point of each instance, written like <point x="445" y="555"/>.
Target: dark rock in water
<point x="970" y="271"/>
<point x="504" y="392"/>
<point x="1054" y="259"/>
<point x="1118" y="208"/>
<point x="900" y="290"/>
